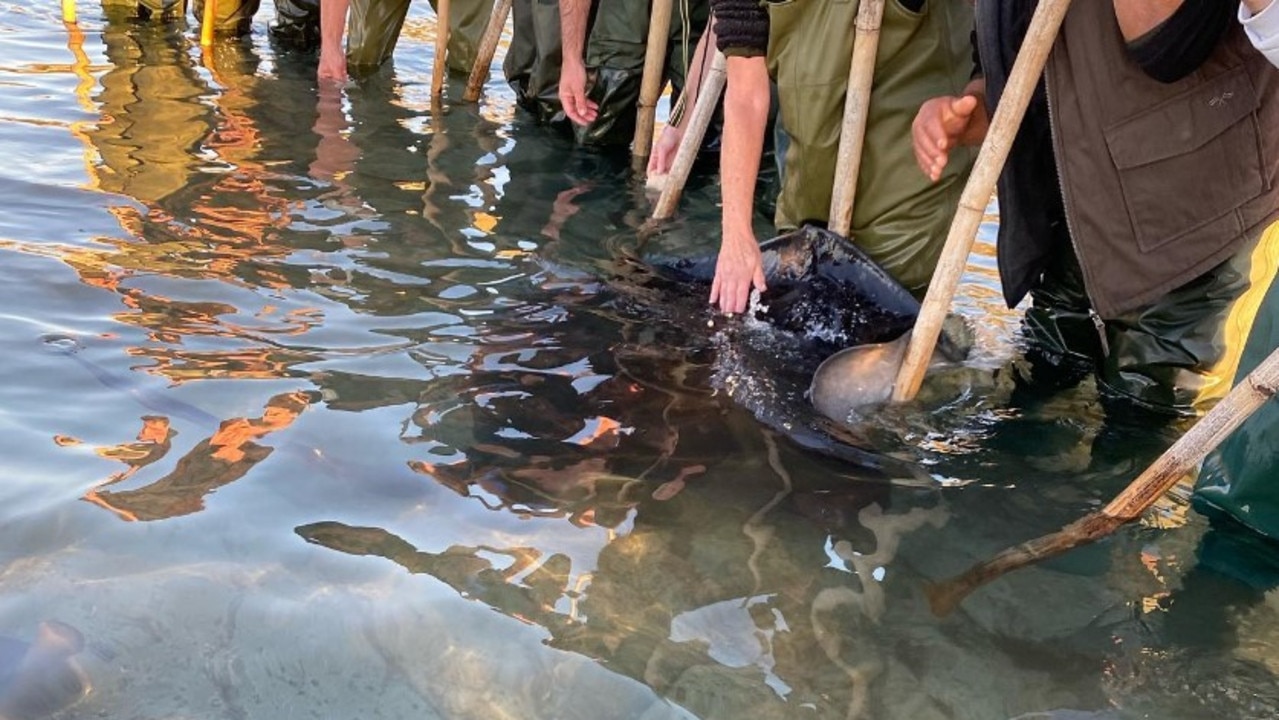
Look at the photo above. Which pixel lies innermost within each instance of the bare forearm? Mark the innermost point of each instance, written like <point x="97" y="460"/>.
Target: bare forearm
<point x="573" y="18"/>
<point x="333" y="23"/>
<point x="693" y="83"/>
<point x="1138" y="17"/>
<point x="1256" y="6"/>
<point x="746" y="101"/>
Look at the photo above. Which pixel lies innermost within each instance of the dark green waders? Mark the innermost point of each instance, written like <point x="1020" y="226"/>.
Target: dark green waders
<point x="532" y="63"/>
<point x="1241" y="478"/>
<point x="615" y="47"/>
<point x="615" y="51"/>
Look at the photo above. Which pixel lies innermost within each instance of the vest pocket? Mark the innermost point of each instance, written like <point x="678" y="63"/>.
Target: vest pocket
<point x="1190" y="161"/>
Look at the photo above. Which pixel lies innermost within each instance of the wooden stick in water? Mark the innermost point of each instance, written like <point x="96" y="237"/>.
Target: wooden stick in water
<point x="659" y="28"/>
<point x="441" y="49"/>
<point x="712" y="86"/>
<point x="488" y="47"/>
<point x="1259" y="386"/>
<point x="1027" y="68"/>
<point x="852" y="134"/>
<point x="207" y="21"/>
<point x="68" y="12"/>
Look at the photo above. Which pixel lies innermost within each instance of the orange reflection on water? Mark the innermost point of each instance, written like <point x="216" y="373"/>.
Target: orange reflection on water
<point x="226" y="456"/>
<point x="179" y="366"/>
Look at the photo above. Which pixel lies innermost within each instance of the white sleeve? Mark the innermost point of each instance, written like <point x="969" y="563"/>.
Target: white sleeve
<point x="1263" y="29"/>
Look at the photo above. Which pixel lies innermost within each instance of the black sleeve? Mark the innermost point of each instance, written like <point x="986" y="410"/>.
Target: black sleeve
<point x="741" y="27"/>
<point x="1180" y="44"/>
<point x="977" y="71"/>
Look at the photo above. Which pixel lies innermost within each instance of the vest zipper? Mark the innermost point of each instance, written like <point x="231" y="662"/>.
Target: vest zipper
<point x="1097" y="320"/>
<point x="1101" y="331"/>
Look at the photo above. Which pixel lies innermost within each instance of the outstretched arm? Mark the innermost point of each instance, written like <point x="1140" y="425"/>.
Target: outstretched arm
<point x="332" y="40"/>
<point x="746" y="101"/>
<point x="573" y="18"/>
<point x="659" y="162"/>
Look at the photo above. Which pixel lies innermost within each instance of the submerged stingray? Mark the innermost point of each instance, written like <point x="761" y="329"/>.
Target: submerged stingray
<point x="42" y="677"/>
<point x="825" y="290"/>
<point x="820" y="286"/>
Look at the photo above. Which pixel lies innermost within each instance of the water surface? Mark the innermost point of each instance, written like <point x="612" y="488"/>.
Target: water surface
<point x="316" y="404"/>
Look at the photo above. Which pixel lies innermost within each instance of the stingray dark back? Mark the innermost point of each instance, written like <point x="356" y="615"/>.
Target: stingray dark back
<point x="820" y="286"/>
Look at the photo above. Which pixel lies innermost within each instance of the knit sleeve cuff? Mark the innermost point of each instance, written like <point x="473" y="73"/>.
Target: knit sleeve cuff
<point x="741" y="27"/>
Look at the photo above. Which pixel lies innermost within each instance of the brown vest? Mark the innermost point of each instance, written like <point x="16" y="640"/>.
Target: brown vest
<point x="1161" y="182"/>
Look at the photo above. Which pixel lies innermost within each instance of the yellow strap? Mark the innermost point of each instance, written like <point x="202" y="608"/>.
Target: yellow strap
<point x="1261" y="274"/>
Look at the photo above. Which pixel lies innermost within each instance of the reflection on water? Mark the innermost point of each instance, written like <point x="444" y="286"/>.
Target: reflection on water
<point x="318" y="404"/>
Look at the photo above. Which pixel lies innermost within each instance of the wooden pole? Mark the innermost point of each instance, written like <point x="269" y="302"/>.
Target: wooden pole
<point x="488" y="47"/>
<point x="68" y="12"/>
<point x="1184" y="456"/>
<point x="712" y="86"/>
<point x="852" y="134"/>
<point x="207" y="21"/>
<point x="441" y="49"/>
<point x="981" y="184"/>
<point x="659" y="29"/>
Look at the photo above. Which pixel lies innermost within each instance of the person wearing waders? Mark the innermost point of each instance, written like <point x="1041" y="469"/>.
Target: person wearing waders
<point x="900" y="217"/>
<point x="602" y="46"/>
<point x="1139" y="210"/>
<point x="368" y="38"/>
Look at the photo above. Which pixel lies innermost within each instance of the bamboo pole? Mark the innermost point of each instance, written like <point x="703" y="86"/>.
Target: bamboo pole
<point x="659" y="30"/>
<point x="207" y="21"/>
<point x="1184" y="456"/>
<point x="488" y="47"/>
<point x="439" y="70"/>
<point x="712" y="86"/>
<point x="68" y="12"/>
<point x="1027" y="69"/>
<point x="852" y="134"/>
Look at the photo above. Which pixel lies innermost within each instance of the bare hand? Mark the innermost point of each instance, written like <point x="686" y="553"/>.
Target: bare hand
<point x="738" y="268"/>
<point x="942" y="124"/>
<point x="659" y="163"/>
<point x="332" y="65"/>
<point x="573" y="93"/>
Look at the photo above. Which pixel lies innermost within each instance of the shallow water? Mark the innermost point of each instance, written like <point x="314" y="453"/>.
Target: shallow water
<point x="322" y="406"/>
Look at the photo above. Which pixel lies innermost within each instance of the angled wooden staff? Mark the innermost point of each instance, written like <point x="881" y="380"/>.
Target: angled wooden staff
<point x="708" y="92"/>
<point x="659" y="30"/>
<point x="1027" y="69"/>
<point x="488" y="47"/>
<point x="1259" y="386"/>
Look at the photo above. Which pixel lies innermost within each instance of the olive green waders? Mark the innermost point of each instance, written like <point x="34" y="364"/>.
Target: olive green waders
<point x="158" y="10"/>
<point x="374" y="27"/>
<point x="900" y="217"/>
